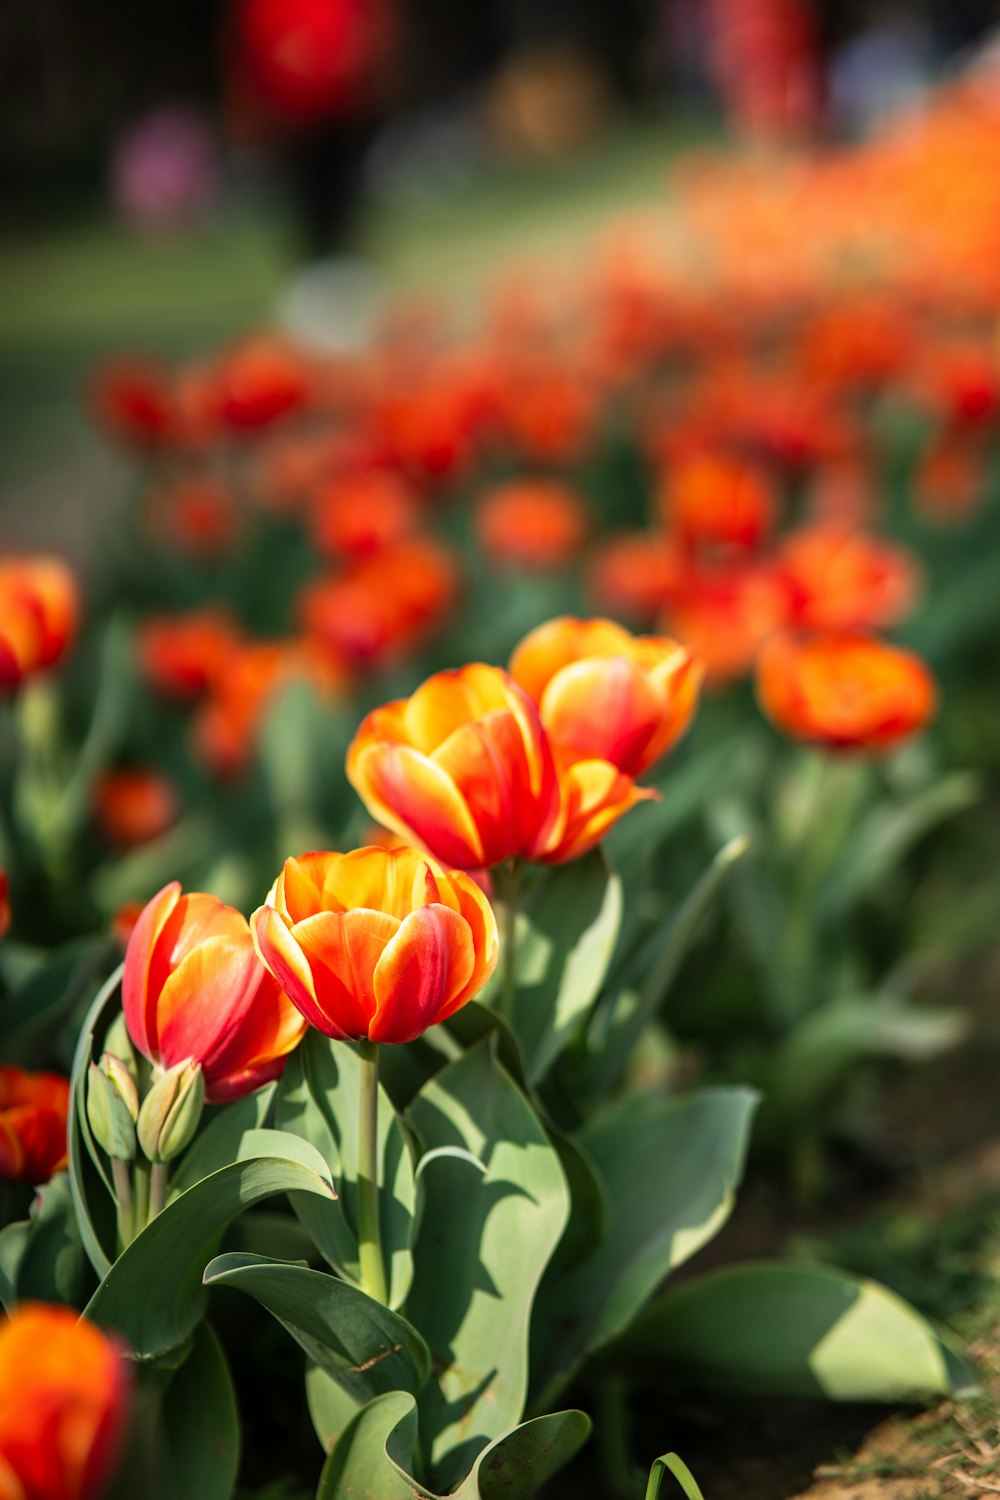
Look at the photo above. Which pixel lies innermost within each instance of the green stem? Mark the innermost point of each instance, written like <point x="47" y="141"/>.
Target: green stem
<point x="123" y="1197"/>
<point x="369" y="1224"/>
<point x="158" y="1188"/>
<point x="140" y="1211"/>
<point x="508" y="880"/>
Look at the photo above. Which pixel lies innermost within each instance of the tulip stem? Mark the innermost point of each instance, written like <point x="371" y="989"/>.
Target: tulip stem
<point x="158" y="1188"/>
<point x="123" y="1197"/>
<point x="140" y="1207"/>
<point x="508" y="882"/>
<point x="372" y="1265"/>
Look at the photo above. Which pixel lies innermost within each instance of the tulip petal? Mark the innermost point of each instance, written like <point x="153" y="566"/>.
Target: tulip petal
<point x="422" y="975"/>
<point x="595" y="795"/>
<point x="137" y="994"/>
<point x="284" y="958"/>
<point x="343" y="950"/>
<point x="210" y="992"/>
<point x="602" y="708"/>
<point x="416" y="798"/>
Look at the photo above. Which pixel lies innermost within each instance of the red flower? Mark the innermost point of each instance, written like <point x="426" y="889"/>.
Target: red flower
<point x="33" y="1110"/>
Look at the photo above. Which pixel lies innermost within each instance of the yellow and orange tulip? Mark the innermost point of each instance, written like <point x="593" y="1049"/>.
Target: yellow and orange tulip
<point x="194" y="988"/>
<point x="378" y="944"/>
<point x="64" y="1396"/>
<point x="463" y="767"/>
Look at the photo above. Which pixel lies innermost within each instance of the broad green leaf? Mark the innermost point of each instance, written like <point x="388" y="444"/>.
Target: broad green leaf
<point x="618" y="1024"/>
<point x="200" y="1425"/>
<point x="218" y="1142"/>
<point x="472" y="1023"/>
<point x="318" y="1100"/>
<point x="153" y="1294"/>
<point x="93" y="1197"/>
<point x="375" y="1455"/>
<point x="13" y="1243"/>
<point x="566" y="937"/>
<point x="483" y="1244"/>
<point x="588" y="1218"/>
<point x="671" y="1168"/>
<point x="330" y="1407"/>
<point x="367" y="1348"/>
<point x="886" y="836"/>
<point x="787" y="1329"/>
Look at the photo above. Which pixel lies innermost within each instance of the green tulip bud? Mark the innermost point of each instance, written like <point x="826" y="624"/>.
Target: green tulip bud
<point x="112" y="1107"/>
<point x="118" y="1042"/>
<point x="171" y="1111"/>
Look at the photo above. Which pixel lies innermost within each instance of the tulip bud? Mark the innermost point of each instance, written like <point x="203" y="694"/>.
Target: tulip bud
<point x="171" y="1111"/>
<point x="112" y="1107"/>
<point x="118" y="1043"/>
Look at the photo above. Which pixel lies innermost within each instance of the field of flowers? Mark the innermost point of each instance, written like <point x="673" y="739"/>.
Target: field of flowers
<point x="507" y="791"/>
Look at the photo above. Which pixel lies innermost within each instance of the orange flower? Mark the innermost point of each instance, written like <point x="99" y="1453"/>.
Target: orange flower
<point x="604" y="694"/>
<point x="462" y="767"/>
<point x="712" y="500"/>
<point x="847" y="692"/>
<point x="260" y="381"/>
<point x="133" y="806"/>
<point x="362" y="514"/>
<point x="197" y="515"/>
<point x="723" y="615"/>
<point x="181" y="655"/>
<point x="38" y="616"/>
<point x="64" y="1398"/>
<point x="633" y="574"/>
<point x="536" y="524"/>
<point x="33" y="1109"/>
<point x="193" y="987"/>
<point x="376" y="944"/>
<point x="842" y="579"/>
<point x="132" y="399"/>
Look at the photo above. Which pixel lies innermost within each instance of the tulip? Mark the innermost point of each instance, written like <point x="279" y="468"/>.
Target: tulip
<point x="134" y="806"/>
<point x="604" y="694"/>
<point x="462" y="767"/>
<point x="112" y="1107"/>
<point x="847" y="692"/>
<point x="194" y="989"/>
<point x="182" y="655"/>
<point x="842" y="579"/>
<point x="171" y="1112"/>
<point x="38" y="616"/>
<point x="33" y="1110"/>
<point x="378" y="944"/>
<point x="718" y="501"/>
<point x="359" y="515"/>
<point x="538" y="525"/>
<point x="64" y="1397"/>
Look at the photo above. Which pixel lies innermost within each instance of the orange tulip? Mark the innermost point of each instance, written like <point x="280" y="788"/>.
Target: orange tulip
<point x="133" y="806"/>
<point x="722" y="616"/>
<point x="718" y="501"/>
<point x="133" y="400"/>
<point x="180" y="655"/>
<point x="64" y="1397"/>
<point x="847" y="692"/>
<point x="535" y="524"/>
<point x="462" y="767"/>
<point x="633" y="574"/>
<point x="38" y="616"/>
<point x="361" y="514"/>
<point x="258" y="382"/>
<point x="193" y="987"/>
<point x="378" y="944"/>
<point x="842" y="579"/>
<point x="33" y="1109"/>
<point x="606" y="695"/>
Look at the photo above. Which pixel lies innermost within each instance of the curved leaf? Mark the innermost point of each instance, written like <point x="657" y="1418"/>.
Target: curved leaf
<point x="171" y="1253"/>
<point x="219" y="1141"/>
<point x="367" y="1348"/>
<point x="482" y="1246"/>
<point x="200" y="1425"/>
<point x="788" y="1329"/>
<point x="671" y="1167"/>
<point x="94" y="1209"/>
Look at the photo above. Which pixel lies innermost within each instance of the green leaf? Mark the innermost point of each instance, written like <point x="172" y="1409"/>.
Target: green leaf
<point x="367" y="1348"/>
<point x="374" y="1457"/>
<point x="671" y="1168"/>
<point x="670" y="1463"/>
<point x="318" y="1100"/>
<point x="200" y="1425"/>
<point x="885" y="837"/>
<point x="618" y="1025"/>
<point x="566" y="937"/>
<point x="153" y="1294"/>
<point x="483" y="1244"/>
<point x="93" y="1196"/>
<point x="53" y="1266"/>
<point x="13" y="1243"/>
<point x="330" y="1407"/>
<point x="219" y="1142"/>
<point x="786" y="1329"/>
<point x="48" y="996"/>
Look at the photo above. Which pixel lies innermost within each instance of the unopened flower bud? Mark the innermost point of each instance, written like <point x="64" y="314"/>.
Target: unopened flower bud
<point x="171" y="1111"/>
<point x="118" y="1043"/>
<point x="112" y="1107"/>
